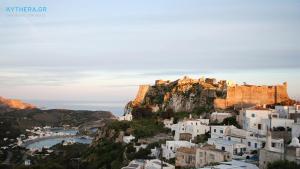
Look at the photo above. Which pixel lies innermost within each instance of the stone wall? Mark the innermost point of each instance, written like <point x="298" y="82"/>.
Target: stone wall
<point x="253" y="95"/>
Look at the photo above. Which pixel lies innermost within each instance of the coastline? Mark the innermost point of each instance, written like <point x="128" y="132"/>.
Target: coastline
<point x="26" y="143"/>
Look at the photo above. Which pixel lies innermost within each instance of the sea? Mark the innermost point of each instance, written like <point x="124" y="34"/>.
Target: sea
<point x="117" y="108"/>
<point x="51" y="141"/>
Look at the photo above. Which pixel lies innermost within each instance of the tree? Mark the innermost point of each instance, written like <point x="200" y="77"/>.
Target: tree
<point x="231" y="121"/>
<point x="201" y="138"/>
<point x="142" y="112"/>
<point x="167" y="114"/>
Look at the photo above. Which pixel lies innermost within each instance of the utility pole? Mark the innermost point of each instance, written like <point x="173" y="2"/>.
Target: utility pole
<point x="161" y="157"/>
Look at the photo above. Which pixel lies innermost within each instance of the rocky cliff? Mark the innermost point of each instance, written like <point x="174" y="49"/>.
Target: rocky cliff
<point x="191" y="94"/>
<point x="14" y="104"/>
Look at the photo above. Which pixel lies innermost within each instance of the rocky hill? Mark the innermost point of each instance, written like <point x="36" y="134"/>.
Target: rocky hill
<point x="14" y="104"/>
<point x="187" y="95"/>
<point x="16" y="117"/>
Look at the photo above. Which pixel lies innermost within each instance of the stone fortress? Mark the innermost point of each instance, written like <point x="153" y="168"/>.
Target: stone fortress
<point x="253" y="95"/>
<point x="187" y="94"/>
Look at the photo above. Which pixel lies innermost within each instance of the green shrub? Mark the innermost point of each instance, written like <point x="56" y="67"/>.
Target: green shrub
<point x="281" y="164"/>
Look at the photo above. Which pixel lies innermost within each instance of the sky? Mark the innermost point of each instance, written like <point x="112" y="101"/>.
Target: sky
<point x="96" y="53"/>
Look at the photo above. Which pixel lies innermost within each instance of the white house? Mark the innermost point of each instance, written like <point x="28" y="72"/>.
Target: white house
<point x="27" y="162"/>
<point x="277" y="122"/>
<point x="254" y="141"/>
<point x="192" y="126"/>
<point x="285" y="111"/>
<point x="138" y="147"/>
<point x="128" y="139"/>
<point x="157" y="164"/>
<point x="126" y="117"/>
<point x="252" y="119"/>
<point x="233" y="147"/>
<point x="219" y="131"/>
<point x="168" y="123"/>
<point x="296" y="129"/>
<point x="169" y="149"/>
<point x="274" y="145"/>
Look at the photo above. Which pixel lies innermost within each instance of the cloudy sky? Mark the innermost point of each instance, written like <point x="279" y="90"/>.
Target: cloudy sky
<point x="99" y="51"/>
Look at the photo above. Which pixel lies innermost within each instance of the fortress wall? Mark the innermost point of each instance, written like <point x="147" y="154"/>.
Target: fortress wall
<point x="253" y="95"/>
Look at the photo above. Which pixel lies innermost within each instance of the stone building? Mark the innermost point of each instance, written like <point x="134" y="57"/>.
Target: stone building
<point x="251" y="95"/>
<point x="170" y="148"/>
<point x="186" y="157"/>
<point x="208" y="154"/>
<point x="276" y="150"/>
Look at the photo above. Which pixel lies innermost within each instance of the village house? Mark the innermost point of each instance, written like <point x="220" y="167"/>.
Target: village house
<point x="186" y="157"/>
<point x="190" y="128"/>
<point x="275" y="123"/>
<point x="128" y="139"/>
<point x="275" y="150"/>
<point x="169" y="149"/>
<point x="251" y="140"/>
<point x="254" y="141"/>
<point x="208" y="154"/>
<point x="168" y="123"/>
<point x="287" y="111"/>
<point x="220" y="131"/>
<point x="252" y="119"/>
<point x="233" y="147"/>
<point x="126" y="117"/>
<point x="296" y="129"/>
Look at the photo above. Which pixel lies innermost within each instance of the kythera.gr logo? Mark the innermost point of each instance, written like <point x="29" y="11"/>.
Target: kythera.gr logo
<point x="26" y="10"/>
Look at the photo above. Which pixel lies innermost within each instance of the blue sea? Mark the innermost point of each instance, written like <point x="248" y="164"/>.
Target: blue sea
<point x="117" y="108"/>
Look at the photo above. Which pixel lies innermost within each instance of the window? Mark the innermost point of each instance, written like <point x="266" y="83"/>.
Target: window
<point x="190" y="159"/>
<point x="273" y="144"/>
<point x="221" y="131"/>
<point x="229" y="138"/>
<point x="259" y="126"/>
<point x="211" y="156"/>
<point x="223" y="148"/>
<point x="255" y="145"/>
<point x="249" y="144"/>
<point x="253" y="115"/>
<point x="201" y="154"/>
<point x="215" y="130"/>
